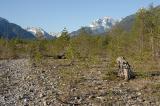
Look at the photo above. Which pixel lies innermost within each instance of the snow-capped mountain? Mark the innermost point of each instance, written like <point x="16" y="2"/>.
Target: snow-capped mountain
<point x="39" y="33"/>
<point x="98" y="26"/>
<point x="55" y="34"/>
<point x="102" y="25"/>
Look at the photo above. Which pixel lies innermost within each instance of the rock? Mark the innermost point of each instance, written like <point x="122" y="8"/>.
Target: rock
<point x="92" y="96"/>
<point x="129" y="97"/>
<point x="140" y="100"/>
<point x="157" y="103"/>
<point x="124" y="69"/>
<point x="96" y="88"/>
<point x="101" y="98"/>
<point x="103" y="93"/>
<point x="120" y="85"/>
<point x="2" y="100"/>
<point x="147" y="102"/>
<point x="138" y="93"/>
<point x="127" y="104"/>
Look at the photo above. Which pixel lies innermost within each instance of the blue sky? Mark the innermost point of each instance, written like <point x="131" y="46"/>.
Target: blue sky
<point x="54" y="15"/>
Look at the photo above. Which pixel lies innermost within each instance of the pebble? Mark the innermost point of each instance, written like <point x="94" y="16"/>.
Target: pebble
<point x="138" y="93"/>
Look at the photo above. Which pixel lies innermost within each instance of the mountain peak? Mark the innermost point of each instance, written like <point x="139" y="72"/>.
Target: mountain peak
<point x="105" y="22"/>
<point x="35" y="30"/>
<point x="102" y="25"/>
<point x="98" y="26"/>
<point x="38" y="32"/>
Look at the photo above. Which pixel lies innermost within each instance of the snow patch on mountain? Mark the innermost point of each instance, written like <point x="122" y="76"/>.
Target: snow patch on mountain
<point x="102" y="25"/>
<point x="39" y="33"/>
<point x="98" y="26"/>
<point x="55" y="34"/>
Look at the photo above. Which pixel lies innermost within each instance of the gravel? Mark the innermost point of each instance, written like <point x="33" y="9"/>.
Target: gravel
<point x="26" y="84"/>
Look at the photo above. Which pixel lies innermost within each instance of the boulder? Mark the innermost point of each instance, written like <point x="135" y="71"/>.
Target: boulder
<point x="124" y="69"/>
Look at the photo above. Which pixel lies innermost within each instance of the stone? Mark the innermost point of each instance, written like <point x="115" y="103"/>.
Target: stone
<point x="140" y="100"/>
<point x="92" y="96"/>
<point x="129" y="97"/>
<point x="124" y="69"/>
<point x="138" y="93"/>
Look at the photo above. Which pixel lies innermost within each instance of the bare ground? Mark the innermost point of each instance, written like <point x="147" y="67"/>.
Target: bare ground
<point x="83" y="83"/>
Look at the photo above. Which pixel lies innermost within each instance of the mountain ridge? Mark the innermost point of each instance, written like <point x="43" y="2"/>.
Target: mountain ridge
<point x="10" y="30"/>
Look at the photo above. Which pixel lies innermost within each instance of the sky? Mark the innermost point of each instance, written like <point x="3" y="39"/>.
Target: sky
<point x="54" y="15"/>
